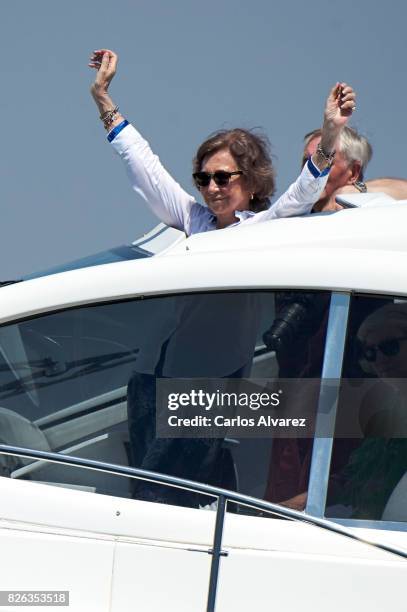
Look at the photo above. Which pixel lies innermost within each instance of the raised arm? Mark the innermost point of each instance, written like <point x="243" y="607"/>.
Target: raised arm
<point x="166" y="198"/>
<point x="105" y="62"/>
<point x="307" y="189"/>
<point x="340" y="104"/>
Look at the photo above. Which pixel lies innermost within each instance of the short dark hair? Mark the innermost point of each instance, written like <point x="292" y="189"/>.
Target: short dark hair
<point x="251" y="151"/>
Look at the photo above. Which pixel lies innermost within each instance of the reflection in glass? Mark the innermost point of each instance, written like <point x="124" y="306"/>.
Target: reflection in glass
<point x="298" y="336"/>
<point x="365" y="472"/>
<point x="82" y="382"/>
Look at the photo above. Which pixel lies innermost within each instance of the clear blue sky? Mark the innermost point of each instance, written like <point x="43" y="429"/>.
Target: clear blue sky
<point x="186" y="68"/>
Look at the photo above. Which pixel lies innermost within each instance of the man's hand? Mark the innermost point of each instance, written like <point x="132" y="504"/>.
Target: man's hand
<point x="340" y="105"/>
<point x="105" y="62"/>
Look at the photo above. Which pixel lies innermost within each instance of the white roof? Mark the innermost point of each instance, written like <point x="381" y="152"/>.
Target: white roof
<point x="374" y="226"/>
<point x="361" y="250"/>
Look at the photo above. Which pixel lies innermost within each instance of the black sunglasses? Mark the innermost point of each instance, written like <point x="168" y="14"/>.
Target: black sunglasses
<point x="221" y="177"/>
<point x="389" y="348"/>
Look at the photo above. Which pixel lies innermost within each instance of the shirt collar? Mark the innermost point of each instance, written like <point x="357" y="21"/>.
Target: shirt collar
<point x="241" y="215"/>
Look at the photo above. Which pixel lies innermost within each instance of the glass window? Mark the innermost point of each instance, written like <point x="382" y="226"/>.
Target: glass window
<point x="298" y="336"/>
<point x="121" y="253"/>
<point x="367" y="474"/>
<point x="83" y="382"/>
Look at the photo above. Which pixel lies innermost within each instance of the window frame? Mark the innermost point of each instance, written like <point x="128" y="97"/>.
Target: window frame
<point x="333" y="360"/>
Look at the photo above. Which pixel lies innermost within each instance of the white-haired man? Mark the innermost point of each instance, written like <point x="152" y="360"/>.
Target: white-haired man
<point x="347" y="172"/>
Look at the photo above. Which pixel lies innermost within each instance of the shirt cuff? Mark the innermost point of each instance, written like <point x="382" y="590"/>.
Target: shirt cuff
<point x="315" y="171"/>
<point x="116" y="130"/>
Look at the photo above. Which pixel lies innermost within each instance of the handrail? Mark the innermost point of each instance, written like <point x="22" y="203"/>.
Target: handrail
<point x="216" y="552"/>
<point x="198" y="487"/>
<point x="223" y="496"/>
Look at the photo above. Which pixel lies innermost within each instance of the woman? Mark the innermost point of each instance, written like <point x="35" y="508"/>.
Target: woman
<point x="235" y="177"/>
<point x="232" y="169"/>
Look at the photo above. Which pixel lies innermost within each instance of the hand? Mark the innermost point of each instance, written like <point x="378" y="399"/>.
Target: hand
<point x="298" y="502"/>
<point x="340" y="105"/>
<point x="105" y="62"/>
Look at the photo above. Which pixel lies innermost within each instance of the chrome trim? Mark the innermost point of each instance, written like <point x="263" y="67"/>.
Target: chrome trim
<point x="370" y="524"/>
<point x="327" y="404"/>
<point x="216" y="553"/>
<point x="198" y="487"/>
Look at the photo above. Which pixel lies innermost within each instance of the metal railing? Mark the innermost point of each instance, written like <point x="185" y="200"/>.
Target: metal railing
<point x="223" y="497"/>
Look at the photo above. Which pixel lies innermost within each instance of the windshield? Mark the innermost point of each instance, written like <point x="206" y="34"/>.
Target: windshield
<point x="120" y="253"/>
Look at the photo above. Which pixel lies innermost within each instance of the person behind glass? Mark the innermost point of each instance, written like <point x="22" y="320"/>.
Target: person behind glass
<point x="232" y="169"/>
<point x="378" y="463"/>
<point x="382" y="350"/>
<point x="364" y="471"/>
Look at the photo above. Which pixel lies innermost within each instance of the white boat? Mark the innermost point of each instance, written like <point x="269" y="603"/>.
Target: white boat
<point x="311" y="523"/>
